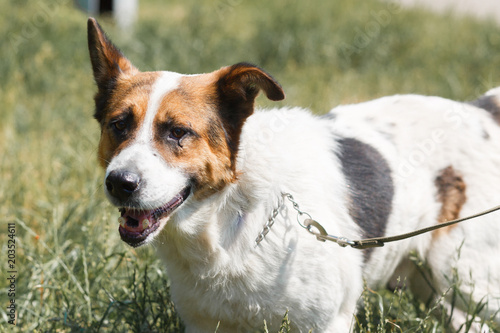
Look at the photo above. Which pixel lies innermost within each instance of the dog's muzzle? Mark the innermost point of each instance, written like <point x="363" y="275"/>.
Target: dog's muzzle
<point x="137" y="222"/>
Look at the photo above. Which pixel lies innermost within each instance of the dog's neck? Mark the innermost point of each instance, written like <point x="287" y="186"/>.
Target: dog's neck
<point x="220" y="229"/>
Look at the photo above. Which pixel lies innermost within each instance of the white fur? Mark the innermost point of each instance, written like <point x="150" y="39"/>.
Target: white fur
<point x="219" y="276"/>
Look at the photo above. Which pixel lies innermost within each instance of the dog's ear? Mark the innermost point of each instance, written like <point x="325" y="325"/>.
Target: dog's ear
<point x="237" y="88"/>
<point x="242" y="82"/>
<point x="107" y="60"/>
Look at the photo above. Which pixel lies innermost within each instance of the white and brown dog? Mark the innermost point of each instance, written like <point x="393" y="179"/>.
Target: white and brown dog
<point x="196" y="172"/>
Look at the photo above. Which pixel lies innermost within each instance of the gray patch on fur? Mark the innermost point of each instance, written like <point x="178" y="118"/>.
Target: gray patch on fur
<point x="329" y="116"/>
<point x="490" y="104"/>
<point x="371" y="187"/>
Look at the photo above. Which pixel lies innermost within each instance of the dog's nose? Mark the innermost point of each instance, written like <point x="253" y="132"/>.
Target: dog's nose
<point x="122" y="184"/>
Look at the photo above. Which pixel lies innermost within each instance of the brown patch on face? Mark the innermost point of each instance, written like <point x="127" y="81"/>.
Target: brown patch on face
<point x="126" y="104"/>
<point x="451" y="193"/>
<point x="203" y="151"/>
<point x="210" y="109"/>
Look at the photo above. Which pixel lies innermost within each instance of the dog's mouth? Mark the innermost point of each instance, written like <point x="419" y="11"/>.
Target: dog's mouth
<point x="137" y="224"/>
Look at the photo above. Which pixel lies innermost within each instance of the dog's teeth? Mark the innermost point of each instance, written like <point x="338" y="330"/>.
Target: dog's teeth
<point x="145" y="223"/>
<point x="122" y="221"/>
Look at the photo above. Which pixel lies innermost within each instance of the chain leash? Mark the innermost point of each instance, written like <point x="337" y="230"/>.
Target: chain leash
<point x="317" y="229"/>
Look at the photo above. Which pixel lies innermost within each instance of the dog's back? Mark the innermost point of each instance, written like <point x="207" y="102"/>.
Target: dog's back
<point x="444" y="159"/>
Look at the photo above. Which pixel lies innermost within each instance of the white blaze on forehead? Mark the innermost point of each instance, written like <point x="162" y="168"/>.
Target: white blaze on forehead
<point x="167" y="82"/>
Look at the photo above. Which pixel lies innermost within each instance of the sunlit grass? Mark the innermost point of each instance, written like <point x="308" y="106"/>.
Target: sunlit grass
<point x="74" y="273"/>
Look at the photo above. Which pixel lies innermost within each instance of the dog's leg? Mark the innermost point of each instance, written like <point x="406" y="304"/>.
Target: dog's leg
<point x="471" y="296"/>
<point x="448" y="292"/>
<point x="343" y="323"/>
<point x="344" y="320"/>
<point x="462" y="323"/>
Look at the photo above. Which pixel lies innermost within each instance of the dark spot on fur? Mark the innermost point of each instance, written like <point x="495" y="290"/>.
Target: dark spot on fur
<point x="214" y="135"/>
<point x="102" y="98"/>
<point x="451" y="193"/>
<point x="387" y="135"/>
<point x="490" y="104"/>
<point x="145" y="83"/>
<point x="371" y="188"/>
<point x="329" y="116"/>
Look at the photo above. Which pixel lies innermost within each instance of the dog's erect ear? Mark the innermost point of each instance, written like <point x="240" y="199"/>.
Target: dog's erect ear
<point x="237" y="88"/>
<point x="107" y="60"/>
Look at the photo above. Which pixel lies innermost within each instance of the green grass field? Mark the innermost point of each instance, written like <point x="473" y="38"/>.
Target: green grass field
<point x="73" y="272"/>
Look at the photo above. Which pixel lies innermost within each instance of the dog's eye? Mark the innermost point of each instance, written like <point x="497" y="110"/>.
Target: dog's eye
<point x="177" y="133"/>
<point x="120" y="125"/>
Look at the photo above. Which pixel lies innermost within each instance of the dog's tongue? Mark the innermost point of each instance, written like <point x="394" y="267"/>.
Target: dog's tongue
<point x="136" y="220"/>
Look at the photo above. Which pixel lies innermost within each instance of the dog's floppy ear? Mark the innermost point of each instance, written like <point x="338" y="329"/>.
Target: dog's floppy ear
<point x="107" y="60"/>
<point x="237" y="88"/>
<point x="242" y="82"/>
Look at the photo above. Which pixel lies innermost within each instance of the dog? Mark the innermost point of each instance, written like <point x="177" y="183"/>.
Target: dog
<point x="198" y="173"/>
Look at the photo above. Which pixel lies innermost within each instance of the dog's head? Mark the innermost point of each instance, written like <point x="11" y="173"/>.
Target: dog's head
<point x="166" y="137"/>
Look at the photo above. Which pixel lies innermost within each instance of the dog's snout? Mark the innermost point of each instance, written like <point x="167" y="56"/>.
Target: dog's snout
<point x="122" y="184"/>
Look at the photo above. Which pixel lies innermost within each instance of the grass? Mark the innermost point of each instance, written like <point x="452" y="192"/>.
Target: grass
<point x="400" y="311"/>
<point x="74" y="273"/>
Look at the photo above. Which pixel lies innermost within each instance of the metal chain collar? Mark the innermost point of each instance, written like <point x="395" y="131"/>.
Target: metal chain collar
<point x="269" y="223"/>
<point x="274" y="214"/>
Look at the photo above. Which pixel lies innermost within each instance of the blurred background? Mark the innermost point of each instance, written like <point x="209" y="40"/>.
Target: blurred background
<point x="74" y="273"/>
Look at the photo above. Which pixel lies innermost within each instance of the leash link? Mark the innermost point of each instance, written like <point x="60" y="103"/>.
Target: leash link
<point x="300" y="213"/>
<point x="315" y="227"/>
<point x="323" y="236"/>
